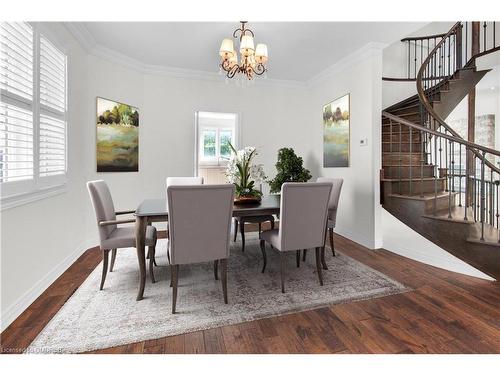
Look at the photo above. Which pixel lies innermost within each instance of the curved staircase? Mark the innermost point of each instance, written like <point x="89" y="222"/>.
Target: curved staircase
<point x="434" y="181"/>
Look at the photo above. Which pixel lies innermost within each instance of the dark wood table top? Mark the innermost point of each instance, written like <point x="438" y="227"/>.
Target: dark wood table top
<point x="269" y="205"/>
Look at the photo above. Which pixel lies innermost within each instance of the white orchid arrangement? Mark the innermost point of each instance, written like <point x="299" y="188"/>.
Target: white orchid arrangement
<point x="243" y="173"/>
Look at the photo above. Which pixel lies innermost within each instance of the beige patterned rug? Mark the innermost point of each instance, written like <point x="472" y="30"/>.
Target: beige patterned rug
<point x="93" y="319"/>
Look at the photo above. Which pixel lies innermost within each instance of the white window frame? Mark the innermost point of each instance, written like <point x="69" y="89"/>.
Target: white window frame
<point x="217" y="160"/>
<point x="16" y="193"/>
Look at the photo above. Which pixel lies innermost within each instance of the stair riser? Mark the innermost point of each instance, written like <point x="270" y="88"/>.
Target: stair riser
<point x="405" y="147"/>
<point x="416" y="172"/>
<point x="405" y="137"/>
<point x="409" y="109"/>
<point x="412" y="118"/>
<point x="442" y="203"/>
<point x="426" y="186"/>
<point x="394" y="159"/>
<point x="386" y="129"/>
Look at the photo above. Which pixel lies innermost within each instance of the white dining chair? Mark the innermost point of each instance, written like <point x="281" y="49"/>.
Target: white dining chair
<point x="208" y="208"/>
<point x="332" y="205"/>
<point x="176" y="181"/>
<point x="303" y="217"/>
<point x="111" y="236"/>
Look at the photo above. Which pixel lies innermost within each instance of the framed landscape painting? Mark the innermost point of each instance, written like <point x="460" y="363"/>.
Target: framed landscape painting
<point x="336" y="129"/>
<point x="117" y="137"/>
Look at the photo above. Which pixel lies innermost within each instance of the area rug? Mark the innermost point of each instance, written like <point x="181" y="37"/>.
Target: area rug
<point x="93" y="319"/>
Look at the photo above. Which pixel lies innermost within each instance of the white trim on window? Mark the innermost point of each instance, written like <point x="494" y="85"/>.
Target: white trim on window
<point x="45" y="119"/>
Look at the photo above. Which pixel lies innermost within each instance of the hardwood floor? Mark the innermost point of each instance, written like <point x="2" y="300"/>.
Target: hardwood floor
<point x="445" y="313"/>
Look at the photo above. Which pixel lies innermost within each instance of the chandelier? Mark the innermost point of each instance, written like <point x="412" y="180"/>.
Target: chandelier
<point x="252" y="59"/>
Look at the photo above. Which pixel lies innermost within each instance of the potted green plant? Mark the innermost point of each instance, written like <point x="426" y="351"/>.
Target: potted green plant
<point x="290" y="169"/>
<point x="245" y="175"/>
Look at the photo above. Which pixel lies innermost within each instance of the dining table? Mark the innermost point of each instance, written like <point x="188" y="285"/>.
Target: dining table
<point x="155" y="210"/>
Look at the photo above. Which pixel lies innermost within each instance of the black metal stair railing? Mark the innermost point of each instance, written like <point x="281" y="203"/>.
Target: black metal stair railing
<point x="449" y="181"/>
<point x="474" y="183"/>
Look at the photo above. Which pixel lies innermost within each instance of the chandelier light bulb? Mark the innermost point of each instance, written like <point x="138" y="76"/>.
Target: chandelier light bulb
<point x="246" y="45"/>
<point x="226" y="49"/>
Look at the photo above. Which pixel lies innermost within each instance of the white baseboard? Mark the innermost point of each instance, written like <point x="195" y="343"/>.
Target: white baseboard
<point x="10" y="313"/>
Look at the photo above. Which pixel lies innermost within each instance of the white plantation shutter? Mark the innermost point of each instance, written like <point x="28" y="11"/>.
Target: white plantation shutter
<point x="32" y="111"/>
<point x="52" y="146"/>
<point x="17" y="59"/>
<point x="16" y="107"/>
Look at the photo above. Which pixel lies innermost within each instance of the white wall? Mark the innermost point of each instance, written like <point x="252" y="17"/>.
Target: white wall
<point x="395" y="65"/>
<point x="270" y="117"/>
<point x="40" y="240"/>
<point x="359" y="209"/>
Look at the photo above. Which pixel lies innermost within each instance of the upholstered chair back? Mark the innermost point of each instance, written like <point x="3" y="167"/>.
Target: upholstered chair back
<point x="171" y="181"/>
<point x="334" y="196"/>
<point x="103" y="206"/>
<point x="303" y="214"/>
<point x="199" y="219"/>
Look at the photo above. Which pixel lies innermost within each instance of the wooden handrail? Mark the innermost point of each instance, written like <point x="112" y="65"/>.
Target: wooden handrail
<point x="414" y="38"/>
<point x="462" y="141"/>
<point x="428" y="106"/>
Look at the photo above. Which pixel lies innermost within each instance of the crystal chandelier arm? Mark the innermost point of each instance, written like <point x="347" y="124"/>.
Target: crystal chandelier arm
<point x="242" y="30"/>
<point x="232" y="71"/>
<point x="259" y="69"/>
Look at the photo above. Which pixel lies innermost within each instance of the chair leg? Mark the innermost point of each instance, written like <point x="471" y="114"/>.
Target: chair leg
<point x="174" y="271"/>
<point x="330" y="233"/>
<point x="297" y="255"/>
<point x="323" y="262"/>
<point x="242" y="231"/>
<point x="235" y="230"/>
<point x="264" y="257"/>
<point x="105" y="257"/>
<point x="223" y="272"/>
<point x="304" y="254"/>
<point x="318" y="266"/>
<point x="151" y="252"/>
<point x="113" y="257"/>
<point x="283" y="270"/>
<point x="216" y="269"/>
<point x="260" y="227"/>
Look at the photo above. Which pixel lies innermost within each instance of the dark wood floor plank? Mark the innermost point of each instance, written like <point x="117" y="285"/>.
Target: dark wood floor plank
<point x="445" y="313"/>
<point x="214" y="341"/>
<point x="194" y="343"/>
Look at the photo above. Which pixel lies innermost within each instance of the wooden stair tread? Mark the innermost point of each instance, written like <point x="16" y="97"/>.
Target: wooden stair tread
<point x="457" y="215"/>
<point x="426" y="196"/>
<point x="416" y="179"/>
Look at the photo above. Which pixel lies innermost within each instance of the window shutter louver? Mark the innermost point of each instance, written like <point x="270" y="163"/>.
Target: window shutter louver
<point x="52" y="146"/>
<point x="33" y="106"/>
<point x="16" y="108"/>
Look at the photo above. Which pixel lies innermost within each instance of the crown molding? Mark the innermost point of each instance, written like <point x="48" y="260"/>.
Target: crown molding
<point x="89" y="44"/>
<point x="353" y="58"/>
<point x="87" y="41"/>
<point x="81" y="34"/>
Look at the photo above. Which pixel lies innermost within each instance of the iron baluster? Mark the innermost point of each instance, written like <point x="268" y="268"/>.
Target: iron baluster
<point x="411" y="161"/>
<point x="422" y="164"/>
<point x="435" y="174"/>
<point x="482" y="197"/>
<point x="460" y="176"/>
<point x="400" y="160"/>
<point x="449" y="190"/>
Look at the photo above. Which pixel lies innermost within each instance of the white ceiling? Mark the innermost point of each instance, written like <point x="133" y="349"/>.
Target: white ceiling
<point x="297" y="50"/>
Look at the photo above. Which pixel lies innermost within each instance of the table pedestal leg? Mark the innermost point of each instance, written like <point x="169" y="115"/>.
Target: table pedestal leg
<point x="140" y="238"/>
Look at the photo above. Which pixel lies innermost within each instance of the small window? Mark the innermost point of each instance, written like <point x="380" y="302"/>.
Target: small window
<point x="216" y="133"/>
